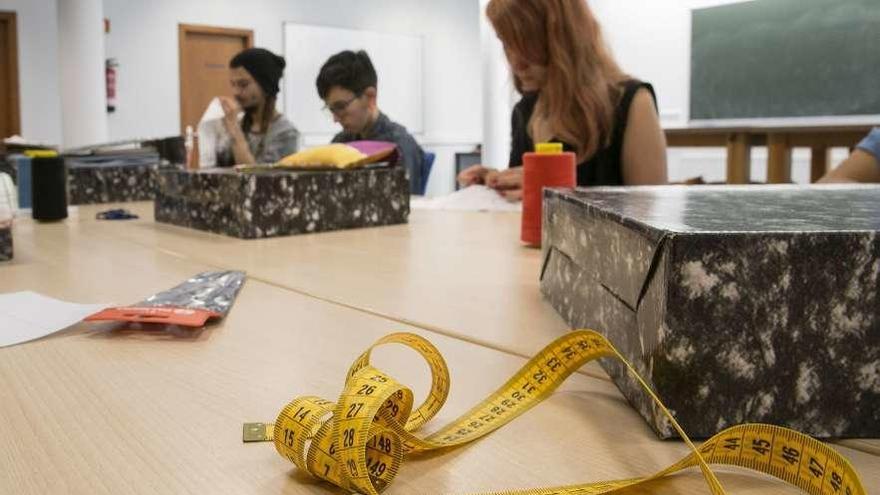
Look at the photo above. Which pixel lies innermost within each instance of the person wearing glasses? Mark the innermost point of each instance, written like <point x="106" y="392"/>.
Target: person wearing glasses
<point x="262" y="135"/>
<point x="863" y="165"/>
<point x="348" y="85"/>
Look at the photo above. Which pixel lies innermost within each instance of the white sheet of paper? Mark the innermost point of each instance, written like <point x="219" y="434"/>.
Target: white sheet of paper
<point x="473" y="198"/>
<point x="214" y="111"/>
<point x="211" y="133"/>
<point x="26" y="316"/>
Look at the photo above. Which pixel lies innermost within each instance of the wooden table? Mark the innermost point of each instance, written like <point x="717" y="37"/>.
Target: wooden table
<point x="101" y="410"/>
<point x="779" y="140"/>
<point x="464" y="274"/>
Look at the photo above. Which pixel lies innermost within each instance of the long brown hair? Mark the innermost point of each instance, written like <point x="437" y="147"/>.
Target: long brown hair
<point x="583" y="82"/>
<point x="247" y="122"/>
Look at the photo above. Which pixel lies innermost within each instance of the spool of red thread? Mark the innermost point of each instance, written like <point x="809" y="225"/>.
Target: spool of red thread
<point x="548" y="166"/>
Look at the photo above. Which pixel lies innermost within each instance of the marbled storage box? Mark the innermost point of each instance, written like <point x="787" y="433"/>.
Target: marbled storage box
<point x="736" y="304"/>
<point x="5" y="243"/>
<point x="95" y="180"/>
<point x="279" y="203"/>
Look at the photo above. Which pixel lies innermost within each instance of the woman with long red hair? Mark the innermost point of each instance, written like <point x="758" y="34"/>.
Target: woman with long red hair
<point x="572" y="92"/>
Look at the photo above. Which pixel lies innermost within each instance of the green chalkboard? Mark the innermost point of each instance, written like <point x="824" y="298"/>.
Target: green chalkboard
<point x="786" y="58"/>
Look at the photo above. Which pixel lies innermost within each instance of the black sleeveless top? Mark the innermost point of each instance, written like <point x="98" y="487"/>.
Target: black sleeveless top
<point x="604" y="167"/>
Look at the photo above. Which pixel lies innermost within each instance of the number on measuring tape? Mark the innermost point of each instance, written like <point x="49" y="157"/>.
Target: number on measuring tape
<point x="377" y="421"/>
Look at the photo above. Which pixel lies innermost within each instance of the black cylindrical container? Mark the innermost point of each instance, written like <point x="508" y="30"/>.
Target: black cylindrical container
<point x="49" y="184"/>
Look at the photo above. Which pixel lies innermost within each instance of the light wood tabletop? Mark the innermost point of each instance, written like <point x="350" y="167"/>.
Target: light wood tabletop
<point x="461" y="273"/>
<point x="101" y="409"/>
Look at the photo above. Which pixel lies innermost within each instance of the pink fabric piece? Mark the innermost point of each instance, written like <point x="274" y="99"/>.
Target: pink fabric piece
<point x="373" y="148"/>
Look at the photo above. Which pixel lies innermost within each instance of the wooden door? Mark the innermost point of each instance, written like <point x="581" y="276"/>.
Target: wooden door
<point x="204" y="66"/>
<point x="9" y="106"/>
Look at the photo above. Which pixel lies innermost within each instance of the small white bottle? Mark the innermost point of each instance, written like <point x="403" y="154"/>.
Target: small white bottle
<point x="188" y="142"/>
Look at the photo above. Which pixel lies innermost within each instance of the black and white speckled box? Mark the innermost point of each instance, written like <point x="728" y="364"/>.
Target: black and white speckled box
<point x="5" y="243"/>
<point x="736" y="304"/>
<point x="280" y="203"/>
<point x="96" y="180"/>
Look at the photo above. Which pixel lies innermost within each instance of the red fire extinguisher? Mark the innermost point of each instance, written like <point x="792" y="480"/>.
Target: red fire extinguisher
<point x="110" y="71"/>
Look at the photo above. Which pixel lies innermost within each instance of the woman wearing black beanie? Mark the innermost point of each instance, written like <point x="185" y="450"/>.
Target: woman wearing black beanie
<point x="263" y="135"/>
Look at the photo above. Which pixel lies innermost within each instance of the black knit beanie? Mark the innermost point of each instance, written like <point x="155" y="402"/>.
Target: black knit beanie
<point x="265" y="67"/>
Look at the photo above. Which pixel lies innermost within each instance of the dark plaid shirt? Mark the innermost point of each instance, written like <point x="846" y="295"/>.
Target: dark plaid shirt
<point x="384" y="129"/>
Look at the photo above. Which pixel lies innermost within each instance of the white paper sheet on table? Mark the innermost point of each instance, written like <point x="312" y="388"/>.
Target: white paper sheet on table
<point x="26" y="316"/>
<point x="473" y="198"/>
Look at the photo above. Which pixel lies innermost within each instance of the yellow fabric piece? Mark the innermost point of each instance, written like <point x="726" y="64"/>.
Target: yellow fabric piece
<point x="40" y="153"/>
<point x="332" y="155"/>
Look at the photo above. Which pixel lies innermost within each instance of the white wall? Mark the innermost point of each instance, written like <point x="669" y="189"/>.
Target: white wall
<point x="38" y="73"/>
<point x="143" y="39"/>
<point x="81" y="59"/>
<point x="652" y="41"/>
<point x="499" y="96"/>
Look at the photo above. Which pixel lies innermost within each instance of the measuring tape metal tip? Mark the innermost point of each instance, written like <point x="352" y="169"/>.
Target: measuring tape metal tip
<point x="257" y="432"/>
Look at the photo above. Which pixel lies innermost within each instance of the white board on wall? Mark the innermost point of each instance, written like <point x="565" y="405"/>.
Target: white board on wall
<point x="397" y="59"/>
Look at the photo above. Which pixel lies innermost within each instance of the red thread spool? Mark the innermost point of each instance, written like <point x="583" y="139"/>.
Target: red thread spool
<point x="548" y="166"/>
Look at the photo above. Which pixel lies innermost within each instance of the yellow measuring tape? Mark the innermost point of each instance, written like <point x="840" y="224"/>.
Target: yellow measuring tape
<point x="358" y="443"/>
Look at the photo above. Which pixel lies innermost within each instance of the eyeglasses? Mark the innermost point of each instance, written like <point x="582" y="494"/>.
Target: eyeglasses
<point x="339" y="107"/>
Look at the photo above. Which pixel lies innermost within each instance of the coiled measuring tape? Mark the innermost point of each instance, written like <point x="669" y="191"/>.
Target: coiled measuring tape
<point x="358" y="443"/>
